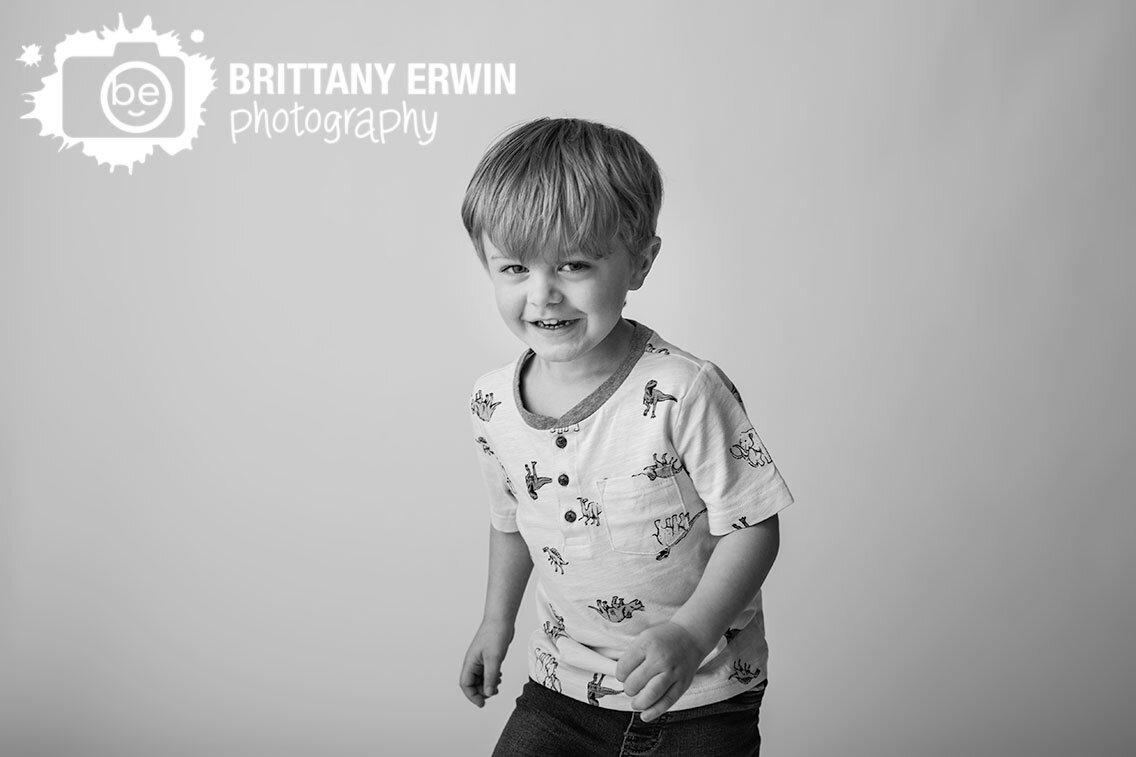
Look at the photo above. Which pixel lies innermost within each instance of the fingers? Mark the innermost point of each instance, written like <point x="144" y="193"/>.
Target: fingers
<point x="470" y="681"/>
<point x="651" y="691"/>
<point x="491" y="677"/>
<point x="646" y="669"/>
<point x="664" y="702"/>
<point x="629" y="662"/>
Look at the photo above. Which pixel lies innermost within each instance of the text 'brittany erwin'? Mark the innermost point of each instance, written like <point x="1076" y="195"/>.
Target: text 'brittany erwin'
<point x="361" y="78"/>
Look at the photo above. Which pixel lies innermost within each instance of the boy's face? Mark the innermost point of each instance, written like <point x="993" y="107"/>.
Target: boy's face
<point x="563" y="306"/>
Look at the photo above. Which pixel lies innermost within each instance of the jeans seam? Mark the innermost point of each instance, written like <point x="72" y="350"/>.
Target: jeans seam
<point x="626" y="733"/>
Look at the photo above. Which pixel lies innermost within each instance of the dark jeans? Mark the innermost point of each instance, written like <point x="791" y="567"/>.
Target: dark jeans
<point x="548" y="724"/>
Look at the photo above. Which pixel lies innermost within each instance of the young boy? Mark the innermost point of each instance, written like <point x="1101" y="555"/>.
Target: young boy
<point x="623" y="467"/>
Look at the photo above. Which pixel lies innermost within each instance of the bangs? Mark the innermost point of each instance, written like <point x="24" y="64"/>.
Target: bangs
<point x="529" y="218"/>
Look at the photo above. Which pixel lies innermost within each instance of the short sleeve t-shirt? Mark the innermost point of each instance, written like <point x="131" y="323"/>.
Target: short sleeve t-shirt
<point x="619" y="501"/>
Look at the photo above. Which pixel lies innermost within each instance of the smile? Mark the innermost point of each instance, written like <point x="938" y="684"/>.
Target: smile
<point x="554" y="325"/>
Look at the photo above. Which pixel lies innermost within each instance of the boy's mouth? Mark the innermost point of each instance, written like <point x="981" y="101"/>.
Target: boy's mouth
<point x="554" y="325"/>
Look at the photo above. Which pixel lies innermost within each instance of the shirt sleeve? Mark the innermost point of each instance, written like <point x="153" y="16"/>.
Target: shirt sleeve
<point x="502" y="496"/>
<point x="729" y="465"/>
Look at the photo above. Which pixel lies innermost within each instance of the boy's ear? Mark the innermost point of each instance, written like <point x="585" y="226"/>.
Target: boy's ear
<point x="643" y="262"/>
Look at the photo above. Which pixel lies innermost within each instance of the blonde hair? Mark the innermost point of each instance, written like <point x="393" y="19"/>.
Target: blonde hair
<point x="578" y="184"/>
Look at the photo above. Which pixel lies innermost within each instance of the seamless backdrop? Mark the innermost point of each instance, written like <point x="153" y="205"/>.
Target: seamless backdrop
<point x="239" y="506"/>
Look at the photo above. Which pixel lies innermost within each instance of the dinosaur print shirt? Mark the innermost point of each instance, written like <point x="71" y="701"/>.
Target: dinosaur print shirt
<point x="620" y="502"/>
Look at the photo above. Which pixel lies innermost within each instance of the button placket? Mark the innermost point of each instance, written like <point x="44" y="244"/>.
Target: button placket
<point x="570" y="515"/>
<point x="572" y="523"/>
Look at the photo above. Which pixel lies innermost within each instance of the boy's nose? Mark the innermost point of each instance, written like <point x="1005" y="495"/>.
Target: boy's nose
<point x="543" y="291"/>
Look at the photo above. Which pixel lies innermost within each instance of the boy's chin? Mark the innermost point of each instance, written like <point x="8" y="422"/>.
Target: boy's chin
<point x="554" y="353"/>
<point x="564" y="346"/>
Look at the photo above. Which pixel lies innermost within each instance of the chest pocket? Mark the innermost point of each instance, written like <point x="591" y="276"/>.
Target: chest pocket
<point x="643" y="516"/>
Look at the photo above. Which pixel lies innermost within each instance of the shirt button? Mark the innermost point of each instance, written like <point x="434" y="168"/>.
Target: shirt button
<point x="561" y="442"/>
<point x="570" y="516"/>
<point x="563" y="479"/>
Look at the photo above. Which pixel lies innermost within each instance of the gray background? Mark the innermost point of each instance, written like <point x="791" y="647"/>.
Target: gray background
<point x="239" y="506"/>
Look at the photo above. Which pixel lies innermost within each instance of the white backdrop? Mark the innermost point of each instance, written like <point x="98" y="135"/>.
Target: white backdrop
<point x="239" y="506"/>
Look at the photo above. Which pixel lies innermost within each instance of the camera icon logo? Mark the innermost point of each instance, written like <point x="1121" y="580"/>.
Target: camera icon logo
<point x="134" y="92"/>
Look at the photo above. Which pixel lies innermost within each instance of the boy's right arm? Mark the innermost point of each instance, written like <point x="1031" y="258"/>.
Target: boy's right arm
<point x="509" y="568"/>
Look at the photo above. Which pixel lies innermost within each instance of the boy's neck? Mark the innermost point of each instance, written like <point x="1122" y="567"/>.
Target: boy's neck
<point x="552" y="389"/>
<point x="595" y="368"/>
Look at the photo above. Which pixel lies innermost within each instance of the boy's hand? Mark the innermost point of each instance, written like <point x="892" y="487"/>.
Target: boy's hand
<point x="658" y="667"/>
<point x="481" y="670"/>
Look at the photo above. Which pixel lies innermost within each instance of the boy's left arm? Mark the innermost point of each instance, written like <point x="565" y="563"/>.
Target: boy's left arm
<point x="660" y="664"/>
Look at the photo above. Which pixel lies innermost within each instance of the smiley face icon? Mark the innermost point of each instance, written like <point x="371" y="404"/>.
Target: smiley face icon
<point x="136" y="97"/>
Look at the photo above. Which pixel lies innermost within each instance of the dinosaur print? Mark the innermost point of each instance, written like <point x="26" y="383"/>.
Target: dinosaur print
<point x="741" y="523"/>
<point x="596" y="689"/>
<point x="555" y="630"/>
<point x="484" y="445"/>
<point x="591" y="511"/>
<point x="555" y="560"/>
<point x="483" y="405"/>
<point x="749" y="450"/>
<point x="661" y="468"/>
<point x="671" y="530"/>
<point x="742" y="672"/>
<point x="548" y="664"/>
<point x="652" y="397"/>
<point x="533" y="481"/>
<point x="616" y="611"/>
<point x="659" y="350"/>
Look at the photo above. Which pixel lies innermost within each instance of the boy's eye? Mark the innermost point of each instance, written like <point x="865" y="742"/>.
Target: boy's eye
<point x="514" y="268"/>
<point x="574" y="266"/>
